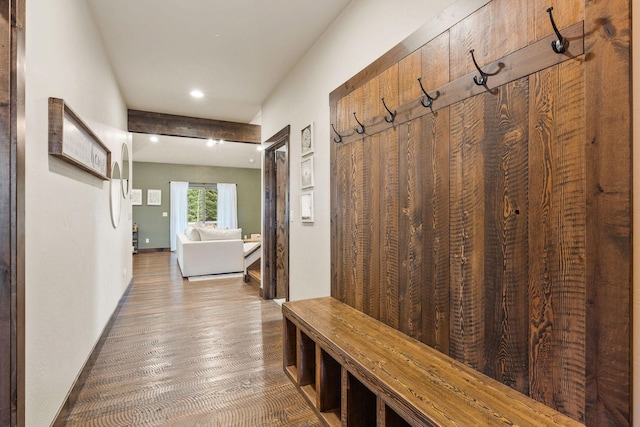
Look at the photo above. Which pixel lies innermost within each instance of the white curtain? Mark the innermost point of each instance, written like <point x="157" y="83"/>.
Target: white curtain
<point x="178" y="210"/>
<point x="227" y="206"/>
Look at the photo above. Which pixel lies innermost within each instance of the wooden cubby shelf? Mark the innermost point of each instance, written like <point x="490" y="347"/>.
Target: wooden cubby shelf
<point x="356" y="371"/>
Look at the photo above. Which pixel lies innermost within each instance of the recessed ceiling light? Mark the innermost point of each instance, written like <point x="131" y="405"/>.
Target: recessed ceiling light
<point x="259" y="148"/>
<point x="251" y="160"/>
<point x="153" y="138"/>
<point x="221" y="141"/>
<point x="197" y="93"/>
<point x="210" y="143"/>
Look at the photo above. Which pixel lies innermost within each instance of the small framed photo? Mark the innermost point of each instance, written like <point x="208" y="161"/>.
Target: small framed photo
<point x="306" y="173"/>
<point x="306" y="206"/>
<point x="136" y="196"/>
<point x="154" y="197"/>
<point x="306" y="140"/>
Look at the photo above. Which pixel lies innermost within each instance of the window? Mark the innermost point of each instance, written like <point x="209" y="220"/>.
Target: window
<point x="202" y="203"/>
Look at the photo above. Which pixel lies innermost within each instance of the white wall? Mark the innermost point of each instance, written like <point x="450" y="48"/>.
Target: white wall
<point x="75" y="259"/>
<point x="362" y="33"/>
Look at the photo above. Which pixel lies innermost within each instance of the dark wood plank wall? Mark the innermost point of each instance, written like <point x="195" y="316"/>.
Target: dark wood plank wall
<point x="498" y="229"/>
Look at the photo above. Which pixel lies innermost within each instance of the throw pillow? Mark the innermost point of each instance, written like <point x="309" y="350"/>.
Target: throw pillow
<point x="192" y="233"/>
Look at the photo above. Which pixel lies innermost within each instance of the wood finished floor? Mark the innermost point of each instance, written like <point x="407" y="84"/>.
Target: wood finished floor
<point x="186" y="353"/>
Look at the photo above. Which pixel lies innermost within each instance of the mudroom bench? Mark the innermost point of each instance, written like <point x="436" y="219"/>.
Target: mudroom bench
<point x="356" y="371"/>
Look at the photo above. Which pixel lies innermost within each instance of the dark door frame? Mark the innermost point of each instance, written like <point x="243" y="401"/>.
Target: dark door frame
<point x="269" y="250"/>
<point x="12" y="191"/>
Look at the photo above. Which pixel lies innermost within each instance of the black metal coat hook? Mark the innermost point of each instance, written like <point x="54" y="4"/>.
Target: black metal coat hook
<point x="337" y="140"/>
<point x="429" y="103"/>
<point x="562" y="44"/>
<point x="361" y="130"/>
<point x="392" y="115"/>
<point x="482" y="81"/>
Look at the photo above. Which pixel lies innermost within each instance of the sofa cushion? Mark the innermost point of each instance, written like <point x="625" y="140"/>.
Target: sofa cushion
<point x="192" y="233"/>
<point x="207" y="233"/>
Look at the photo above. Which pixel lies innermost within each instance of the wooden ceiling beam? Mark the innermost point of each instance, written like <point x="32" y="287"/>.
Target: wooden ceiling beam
<point x="192" y="127"/>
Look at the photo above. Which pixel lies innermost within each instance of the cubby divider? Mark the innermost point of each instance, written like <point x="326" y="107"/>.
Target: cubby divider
<point x="329" y="386"/>
<point x="359" y="406"/>
<point x="289" y="349"/>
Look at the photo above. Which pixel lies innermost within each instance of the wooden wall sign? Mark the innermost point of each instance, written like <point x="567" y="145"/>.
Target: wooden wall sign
<point x="71" y="140"/>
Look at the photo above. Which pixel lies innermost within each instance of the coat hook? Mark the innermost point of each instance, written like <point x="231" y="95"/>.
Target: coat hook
<point x="560" y="45"/>
<point x="392" y="115"/>
<point x="339" y="138"/>
<point x="482" y="81"/>
<point x="429" y="103"/>
<point x="361" y="130"/>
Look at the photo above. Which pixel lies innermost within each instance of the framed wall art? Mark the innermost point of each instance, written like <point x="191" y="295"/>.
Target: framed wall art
<point x="154" y="197"/>
<point x="306" y="173"/>
<point x="306" y="140"/>
<point x="136" y="196"/>
<point x="306" y="206"/>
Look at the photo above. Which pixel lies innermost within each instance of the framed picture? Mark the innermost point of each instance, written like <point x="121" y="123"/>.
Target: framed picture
<point x="136" y="196"/>
<point x="306" y="140"/>
<point x="306" y="206"/>
<point x="306" y="173"/>
<point x="154" y="197"/>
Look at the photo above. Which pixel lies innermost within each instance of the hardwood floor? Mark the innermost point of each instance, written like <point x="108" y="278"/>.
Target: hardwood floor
<point x="183" y="353"/>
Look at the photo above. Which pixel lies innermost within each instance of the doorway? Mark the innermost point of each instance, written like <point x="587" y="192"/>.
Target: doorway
<point x="275" y="281"/>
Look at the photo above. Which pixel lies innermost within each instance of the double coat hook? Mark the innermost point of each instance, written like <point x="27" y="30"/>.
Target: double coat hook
<point x="337" y="139"/>
<point x="562" y="44"/>
<point x="429" y="103"/>
<point x="482" y="81"/>
<point x="392" y="115"/>
<point x="360" y="128"/>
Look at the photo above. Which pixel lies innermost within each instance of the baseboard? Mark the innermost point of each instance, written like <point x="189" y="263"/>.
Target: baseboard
<point x="154" y="250"/>
<point x="72" y="396"/>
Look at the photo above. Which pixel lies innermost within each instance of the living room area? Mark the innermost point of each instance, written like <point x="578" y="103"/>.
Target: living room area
<point x="207" y="209"/>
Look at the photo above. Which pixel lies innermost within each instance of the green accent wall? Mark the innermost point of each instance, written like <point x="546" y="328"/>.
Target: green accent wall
<point x="153" y="226"/>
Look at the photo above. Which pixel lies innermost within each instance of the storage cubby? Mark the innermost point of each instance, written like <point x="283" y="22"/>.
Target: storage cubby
<point x="329" y="387"/>
<point x="306" y="361"/>
<point x="290" y="353"/>
<point x="390" y="417"/>
<point x="361" y="403"/>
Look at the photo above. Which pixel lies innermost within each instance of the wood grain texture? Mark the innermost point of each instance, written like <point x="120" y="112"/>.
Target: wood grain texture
<point x="410" y="228"/>
<point x="557" y="216"/>
<point x="192" y="127"/>
<point x="422" y="385"/>
<point x="343" y="228"/>
<point x="505" y="152"/>
<point x="356" y="238"/>
<point x="389" y="268"/>
<point x="564" y="14"/>
<point x="490" y="32"/>
<point x="373" y="226"/>
<point x="435" y="209"/>
<point x="424" y="34"/>
<point x="409" y="70"/>
<point x="435" y="63"/>
<point x="467" y="232"/>
<point x="185" y="354"/>
<point x="608" y="257"/>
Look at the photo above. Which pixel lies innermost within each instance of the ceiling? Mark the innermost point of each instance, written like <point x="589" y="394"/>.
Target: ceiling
<point x="234" y="51"/>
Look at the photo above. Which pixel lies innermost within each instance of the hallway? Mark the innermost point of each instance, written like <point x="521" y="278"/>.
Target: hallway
<point x="186" y="353"/>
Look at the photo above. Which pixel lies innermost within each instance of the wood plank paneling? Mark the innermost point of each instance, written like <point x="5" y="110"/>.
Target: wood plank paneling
<point x="609" y="265"/>
<point x="282" y="218"/>
<point x="435" y="209"/>
<point x="389" y="310"/>
<point x="358" y="229"/>
<point x="410" y="228"/>
<point x="372" y="225"/>
<point x="504" y="220"/>
<point x="557" y="216"/>
<point x="467" y="232"/>
<point x="505" y="152"/>
<point x="343" y="254"/>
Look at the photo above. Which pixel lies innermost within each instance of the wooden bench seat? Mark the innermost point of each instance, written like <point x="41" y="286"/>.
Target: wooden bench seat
<point x="357" y="371"/>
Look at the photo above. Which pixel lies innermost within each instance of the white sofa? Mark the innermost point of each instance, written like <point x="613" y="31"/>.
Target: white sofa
<point x="204" y="257"/>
